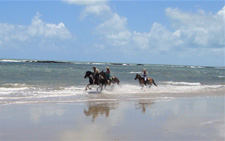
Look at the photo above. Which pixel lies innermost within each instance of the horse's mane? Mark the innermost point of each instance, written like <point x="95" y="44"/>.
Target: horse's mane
<point x="138" y="75"/>
<point x="89" y="72"/>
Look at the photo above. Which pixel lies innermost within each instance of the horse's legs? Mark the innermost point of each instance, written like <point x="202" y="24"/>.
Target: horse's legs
<point x="105" y="86"/>
<point x="142" y="86"/>
<point x="98" y="87"/>
<point x="101" y="88"/>
<point x="87" y="86"/>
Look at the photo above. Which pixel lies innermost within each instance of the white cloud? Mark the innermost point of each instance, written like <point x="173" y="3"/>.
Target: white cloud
<point x="9" y="32"/>
<point x="221" y="13"/>
<point x="114" y="30"/>
<point x="141" y="39"/>
<point x="95" y="7"/>
<point x="38" y="28"/>
<point x="159" y="38"/>
<point x="191" y="30"/>
<point x="199" y="29"/>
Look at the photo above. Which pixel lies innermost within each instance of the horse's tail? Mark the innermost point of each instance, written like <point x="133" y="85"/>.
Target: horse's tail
<point x="154" y="82"/>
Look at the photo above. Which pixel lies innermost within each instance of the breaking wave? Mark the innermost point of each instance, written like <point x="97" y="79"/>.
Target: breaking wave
<point x="22" y="92"/>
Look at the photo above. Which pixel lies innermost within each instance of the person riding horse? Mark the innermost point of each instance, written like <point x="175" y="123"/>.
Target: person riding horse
<point x="108" y="75"/>
<point x="96" y="74"/>
<point x="100" y="78"/>
<point x="144" y="75"/>
<point x="142" y="82"/>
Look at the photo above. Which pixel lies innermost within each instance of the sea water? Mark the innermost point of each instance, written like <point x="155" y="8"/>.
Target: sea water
<point x="32" y="81"/>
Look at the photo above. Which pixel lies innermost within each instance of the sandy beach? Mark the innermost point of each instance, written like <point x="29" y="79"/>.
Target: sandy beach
<point x="184" y="118"/>
<point x="99" y="70"/>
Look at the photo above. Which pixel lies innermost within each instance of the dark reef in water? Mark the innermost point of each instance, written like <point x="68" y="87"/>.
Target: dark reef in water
<point x="209" y="67"/>
<point x="45" y="61"/>
<point x="116" y="63"/>
<point x="140" y="64"/>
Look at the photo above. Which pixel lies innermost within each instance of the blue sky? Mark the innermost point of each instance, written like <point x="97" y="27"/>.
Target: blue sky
<point x="151" y="32"/>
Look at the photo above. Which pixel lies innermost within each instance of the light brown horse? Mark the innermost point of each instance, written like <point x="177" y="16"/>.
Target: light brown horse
<point x="103" y="78"/>
<point x="149" y="81"/>
<point x="114" y="80"/>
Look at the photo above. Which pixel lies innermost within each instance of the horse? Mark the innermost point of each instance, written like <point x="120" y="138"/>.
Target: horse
<point x="92" y="80"/>
<point x="105" y="81"/>
<point x="149" y="81"/>
<point x="115" y="80"/>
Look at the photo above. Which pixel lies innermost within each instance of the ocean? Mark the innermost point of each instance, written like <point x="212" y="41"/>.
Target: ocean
<point x="33" y="81"/>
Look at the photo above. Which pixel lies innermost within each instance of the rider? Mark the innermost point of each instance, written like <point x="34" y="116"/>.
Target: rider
<point x="108" y="75"/>
<point x="96" y="74"/>
<point x="144" y="75"/>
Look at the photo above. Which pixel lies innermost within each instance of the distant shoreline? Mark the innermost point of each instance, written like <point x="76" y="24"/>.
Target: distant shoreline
<point x="101" y="63"/>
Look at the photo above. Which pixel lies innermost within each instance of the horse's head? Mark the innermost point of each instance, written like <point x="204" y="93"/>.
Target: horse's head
<point x="87" y="74"/>
<point x="137" y="77"/>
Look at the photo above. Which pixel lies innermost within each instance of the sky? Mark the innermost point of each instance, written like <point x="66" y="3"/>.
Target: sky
<point x="184" y="32"/>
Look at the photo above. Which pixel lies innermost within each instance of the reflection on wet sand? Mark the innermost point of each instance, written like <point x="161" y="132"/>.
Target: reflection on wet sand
<point x="144" y="105"/>
<point x="95" y="109"/>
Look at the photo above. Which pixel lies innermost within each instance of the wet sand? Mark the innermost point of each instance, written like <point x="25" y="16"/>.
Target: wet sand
<point x="184" y="118"/>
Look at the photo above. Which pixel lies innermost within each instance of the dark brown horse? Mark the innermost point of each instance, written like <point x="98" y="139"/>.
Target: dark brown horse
<point x="92" y="80"/>
<point x="149" y="81"/>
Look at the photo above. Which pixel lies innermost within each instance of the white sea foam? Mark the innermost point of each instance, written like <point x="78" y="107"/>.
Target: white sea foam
<point x="182" y="83"/>
<point x="163" y="87"/>
<point x="214" y="121"/>
<point x="168" y="88"/>
<point x="98" y="63"/>
<point x="5" y="91"/>
<point x="198" y="67"/>
<point x="11" y="60"/>
<point x="129" y="91"/>
<point x="135" y="72"/>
